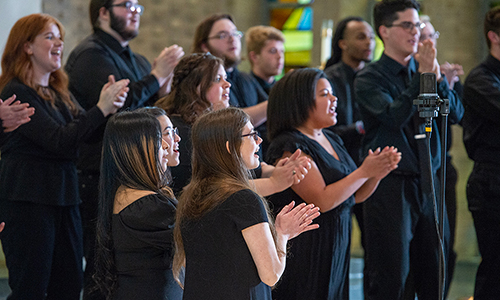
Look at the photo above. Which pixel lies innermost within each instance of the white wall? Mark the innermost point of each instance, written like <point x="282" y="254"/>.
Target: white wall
<point x="11" y="11"/>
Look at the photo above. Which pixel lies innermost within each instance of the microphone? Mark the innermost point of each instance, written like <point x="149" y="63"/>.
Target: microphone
<point x="428" y="100"/>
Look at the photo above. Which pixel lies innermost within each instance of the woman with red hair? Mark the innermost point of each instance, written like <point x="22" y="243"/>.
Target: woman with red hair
<point x="38" y="181"/>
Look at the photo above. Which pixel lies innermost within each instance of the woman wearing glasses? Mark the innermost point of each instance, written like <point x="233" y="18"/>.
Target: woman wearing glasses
<point x="200" y="86"/>
<point x="137" y="208"/>
<point x="224" y="237"/>
<point x="39" y="197"/>
<point x="301" y="105"/>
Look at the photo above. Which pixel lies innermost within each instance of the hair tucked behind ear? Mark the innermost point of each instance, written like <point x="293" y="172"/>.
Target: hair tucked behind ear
<point x="218" y="171"/>
<point x="130" y="159"/>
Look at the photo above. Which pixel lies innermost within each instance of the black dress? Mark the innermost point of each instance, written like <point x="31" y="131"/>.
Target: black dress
<point x="143" y="242"/>
<point x="218" y="262"/>
<point x="317" y="266"/>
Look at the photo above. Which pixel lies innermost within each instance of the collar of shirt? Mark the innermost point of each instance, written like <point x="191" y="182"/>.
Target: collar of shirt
<point x="348" y="71"/>
<point x="110" y="41"/>
<point x="264" y="84"/>
<point x="493" y="64"/>
<point x="395" y="68"/>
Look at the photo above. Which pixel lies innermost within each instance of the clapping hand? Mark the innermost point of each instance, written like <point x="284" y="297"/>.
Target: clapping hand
<point x="113" y="95"/>
<point x="380" y="163"/>
<point x="292" y="221"/>
<point x="290" y="170"/>
<point x="14" y="114"/>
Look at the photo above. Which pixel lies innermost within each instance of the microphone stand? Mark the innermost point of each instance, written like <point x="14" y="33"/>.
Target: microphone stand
<point x="429" y="105"/>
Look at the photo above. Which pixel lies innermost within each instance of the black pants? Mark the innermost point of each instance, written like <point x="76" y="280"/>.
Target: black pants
<point x="401" y="242"/>
<point x="43" y="250"/>
<point x="89" y="193"/>
<point x="483" y="196"/>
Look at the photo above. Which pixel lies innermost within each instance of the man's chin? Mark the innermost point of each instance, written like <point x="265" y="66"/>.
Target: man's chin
<point x="231" y="62"/>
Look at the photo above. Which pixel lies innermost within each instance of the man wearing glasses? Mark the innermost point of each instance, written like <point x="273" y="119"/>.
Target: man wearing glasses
<point x="106" y="52"/>
<point x="401" y="242"/>
<point x="218" y="35"/>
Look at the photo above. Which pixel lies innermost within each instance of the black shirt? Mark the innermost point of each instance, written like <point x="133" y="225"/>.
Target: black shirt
<point x="481" y="120"/>
<point x="243" y="93"/>
<point x="88" y="68"/>
<point x="385" y="91"/>
<point x="39" y="159"/>
<point x="219" y="264"/>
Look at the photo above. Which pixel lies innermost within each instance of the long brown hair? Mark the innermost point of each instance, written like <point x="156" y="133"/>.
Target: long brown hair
<point x="16" y="63"/>
<point x="193" y="76"/>
<point x="218" y="172"/>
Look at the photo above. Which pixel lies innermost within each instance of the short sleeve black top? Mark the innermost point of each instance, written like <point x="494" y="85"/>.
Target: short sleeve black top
<point x="218" y="262"/>
<point x="143" y="246"/>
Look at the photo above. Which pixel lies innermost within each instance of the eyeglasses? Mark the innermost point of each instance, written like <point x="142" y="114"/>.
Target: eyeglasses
<point x="172" y="131"/>
<point x="255" y="135"/>
<point x="225" y="35"/>
<point x="434" y="36"/>
<point x="131" y="7"/>
<point x="408" y="26"/>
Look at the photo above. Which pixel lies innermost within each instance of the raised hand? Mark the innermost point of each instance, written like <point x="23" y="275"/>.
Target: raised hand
<point x="426" y="57"/>
<point x="164" y="64"/>
<point x="290" y="170"/>
<point x="113" y="95"/>
<point x="14" y="114"/>
<point x="452" y="71"/>
<point x="292" y="221"/>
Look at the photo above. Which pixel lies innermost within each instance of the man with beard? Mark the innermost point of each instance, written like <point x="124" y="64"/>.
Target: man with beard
<point x="106" y="52"/>
<point x="218" y="35"/>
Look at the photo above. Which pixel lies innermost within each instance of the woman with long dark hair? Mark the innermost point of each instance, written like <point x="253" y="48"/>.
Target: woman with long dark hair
<point x="224" y="236"/>
<point x="39" y="197"/>
<point x="136" y="209"/>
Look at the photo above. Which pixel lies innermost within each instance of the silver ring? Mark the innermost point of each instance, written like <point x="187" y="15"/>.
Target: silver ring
<point x="293" y="172"/>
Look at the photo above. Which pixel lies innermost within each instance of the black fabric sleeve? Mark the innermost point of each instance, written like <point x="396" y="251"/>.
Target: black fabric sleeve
<point x="245" y="208"/>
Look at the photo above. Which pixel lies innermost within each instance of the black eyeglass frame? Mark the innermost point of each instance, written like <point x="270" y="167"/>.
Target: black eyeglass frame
<point x="408" y="26"/>
<point x="130" y="6"/>
<point x="255" y="135"/>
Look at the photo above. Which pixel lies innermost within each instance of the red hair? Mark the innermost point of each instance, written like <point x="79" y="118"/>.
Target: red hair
<point x="16" y="63"/>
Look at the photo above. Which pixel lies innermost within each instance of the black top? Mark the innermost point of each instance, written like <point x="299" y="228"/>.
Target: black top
<point x="482" y="112"/>
<point x="342" y="78"/>
<point x="38" y="160"/>
<point x="243" y="93"/>
<point x="181" y="174"/>
<point x="385" y="91"/>
<point x="143" y="247"/>
<point x="264" y="88"/>
<point x="317" y="266"/>
<point x="88" y="68"/>
<point x="218" y="262"/>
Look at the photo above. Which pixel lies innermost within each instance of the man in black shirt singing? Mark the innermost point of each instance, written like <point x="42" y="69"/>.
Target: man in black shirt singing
<point x="401" y="242"/>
